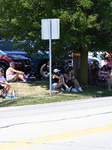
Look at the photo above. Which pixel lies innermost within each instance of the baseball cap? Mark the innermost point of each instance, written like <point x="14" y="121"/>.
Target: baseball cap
<point x="56" y="70"/>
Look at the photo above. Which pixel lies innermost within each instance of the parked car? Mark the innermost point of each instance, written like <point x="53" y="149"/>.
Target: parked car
<point x="39" y="64"/>
<point x="93" y="61"/>
<point x="21" y="62"/>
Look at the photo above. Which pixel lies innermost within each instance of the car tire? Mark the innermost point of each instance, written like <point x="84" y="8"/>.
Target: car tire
<point x="44" y="70"/>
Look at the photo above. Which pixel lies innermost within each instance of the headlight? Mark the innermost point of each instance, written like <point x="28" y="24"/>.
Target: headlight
<point x="18" y="63"/>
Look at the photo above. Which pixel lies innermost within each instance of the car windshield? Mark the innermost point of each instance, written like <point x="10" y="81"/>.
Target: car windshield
<point x="2" y="53"/>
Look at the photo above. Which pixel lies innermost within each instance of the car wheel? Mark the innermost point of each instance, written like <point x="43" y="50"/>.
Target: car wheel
<point x="44" y="70"/>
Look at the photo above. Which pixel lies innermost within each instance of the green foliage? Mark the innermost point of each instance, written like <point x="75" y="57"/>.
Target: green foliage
<point x="83" y="23"/>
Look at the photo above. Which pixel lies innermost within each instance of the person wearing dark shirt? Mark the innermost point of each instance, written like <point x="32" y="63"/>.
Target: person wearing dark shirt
<point x="71" y="80"/>
<point x="58" y="81"/>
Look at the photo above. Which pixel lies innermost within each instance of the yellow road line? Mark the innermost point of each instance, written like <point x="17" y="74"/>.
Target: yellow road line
<point x="57" y="137"/>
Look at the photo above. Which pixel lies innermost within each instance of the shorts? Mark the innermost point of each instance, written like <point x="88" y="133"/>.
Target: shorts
<point x="54" y="85"/>
<point x="101" y="81"/>
<point x="1" y="87"/>
<point x="11" y="78"/>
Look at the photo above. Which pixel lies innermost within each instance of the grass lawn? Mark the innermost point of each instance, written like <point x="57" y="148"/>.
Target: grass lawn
<point x="37" y="92"/>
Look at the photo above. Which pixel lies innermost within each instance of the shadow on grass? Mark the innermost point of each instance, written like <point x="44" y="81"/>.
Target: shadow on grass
<point x="16" y="101"/>
<point x="96" y="91"/>
<point x="44" y="83"/>
<point x="8" y="102"/>
<point x="88" y="92"/>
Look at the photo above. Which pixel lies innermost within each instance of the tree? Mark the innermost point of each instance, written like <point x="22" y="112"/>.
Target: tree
<point x="85" y="24"/>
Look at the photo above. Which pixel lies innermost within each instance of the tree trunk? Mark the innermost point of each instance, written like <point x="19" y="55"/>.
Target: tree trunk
<point x="84" y="66"/>
<point x="76" y="64"/>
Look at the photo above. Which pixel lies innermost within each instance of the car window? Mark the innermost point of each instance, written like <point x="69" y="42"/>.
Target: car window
<point x="2" y="53"/>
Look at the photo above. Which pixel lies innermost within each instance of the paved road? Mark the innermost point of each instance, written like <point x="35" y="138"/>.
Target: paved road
<point x="73" y="125"/>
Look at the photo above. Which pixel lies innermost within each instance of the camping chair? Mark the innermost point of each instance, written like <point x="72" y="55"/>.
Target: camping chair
<point x="1" y="90"/>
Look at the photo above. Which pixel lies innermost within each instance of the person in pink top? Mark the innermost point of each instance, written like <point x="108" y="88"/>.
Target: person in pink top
<point x="108" y="60"/>
<point x="12" y="74"/>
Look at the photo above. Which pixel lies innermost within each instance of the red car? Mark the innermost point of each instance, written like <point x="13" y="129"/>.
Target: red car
<point x="22" y="63"/>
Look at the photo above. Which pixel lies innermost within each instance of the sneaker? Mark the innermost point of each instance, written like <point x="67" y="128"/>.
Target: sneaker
<point x="80" y="89"/>
<point x="10" y="96"/>
<point x="26" y="76"/>
<point x="110" y="89"/>
<point x="3" y="96"/>
<point x="68" y="90"/>
<point x="74" y="90"/>
<point x="62" y="89"/>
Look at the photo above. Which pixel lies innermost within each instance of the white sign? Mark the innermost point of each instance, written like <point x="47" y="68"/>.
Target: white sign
<point x="50" y="29"/>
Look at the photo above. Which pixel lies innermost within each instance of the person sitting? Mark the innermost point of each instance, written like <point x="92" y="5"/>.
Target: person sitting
<point x="71" y="80"/>
<point x="105" y="76"/>
<point x="4" y="84"/>
<point x="12" y="74"/>
<point x="93" y="74"/>
<point x="57" y="81"/>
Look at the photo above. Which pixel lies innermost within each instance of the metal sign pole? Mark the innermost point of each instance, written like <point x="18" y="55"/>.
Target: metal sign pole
<point x="50" y="63"/>
<point x="50" y="30"/>
<point x="50" y="58"/>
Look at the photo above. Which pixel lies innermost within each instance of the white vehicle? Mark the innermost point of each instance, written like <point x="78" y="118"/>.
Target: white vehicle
<point x="98" y="57"/>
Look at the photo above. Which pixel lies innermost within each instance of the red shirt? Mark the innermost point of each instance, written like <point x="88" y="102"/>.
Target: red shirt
<point x="103" y="75"/>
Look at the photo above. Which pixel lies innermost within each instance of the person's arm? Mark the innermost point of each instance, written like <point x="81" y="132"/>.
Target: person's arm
<point x="70" y="75"/>
<point x="16" y="71"/>
<point x="108" y="56"/>
<point x="108" y="75"/>
<point x="2" y="82"/>
<point x="53" y="77"/>
<point x="57" y="77"/>
<point x="66" y="77"/>
<point x="99" y="73"/>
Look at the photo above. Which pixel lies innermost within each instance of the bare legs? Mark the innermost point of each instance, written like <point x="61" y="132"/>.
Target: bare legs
<point x="76" y="83"/>
<point x="61" y="84"/>
<point x="109" y="82"/>
<point x="20" y="76"/>
<point x="6" y="88"/>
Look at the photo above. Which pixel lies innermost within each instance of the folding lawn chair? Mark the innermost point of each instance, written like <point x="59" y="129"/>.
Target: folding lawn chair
<point x="1" y="91"/>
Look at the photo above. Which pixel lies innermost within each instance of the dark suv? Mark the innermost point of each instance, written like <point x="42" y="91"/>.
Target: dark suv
<point x="39" y="63"/>
<point x="21" y="62"/>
